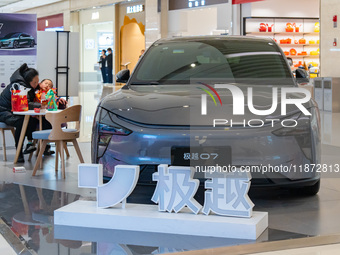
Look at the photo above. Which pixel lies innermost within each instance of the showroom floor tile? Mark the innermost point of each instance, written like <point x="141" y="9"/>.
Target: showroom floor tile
<point x="290" y="216"/>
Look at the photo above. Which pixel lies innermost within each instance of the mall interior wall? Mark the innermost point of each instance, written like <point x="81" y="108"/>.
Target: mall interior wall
<point x="330" y="54"/>
<point x="210" y="20"/>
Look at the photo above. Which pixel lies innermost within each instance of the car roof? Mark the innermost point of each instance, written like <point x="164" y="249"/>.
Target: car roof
<point x="214" y="37"/>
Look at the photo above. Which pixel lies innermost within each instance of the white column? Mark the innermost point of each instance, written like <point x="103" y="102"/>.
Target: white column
<point x="152" y="22"/>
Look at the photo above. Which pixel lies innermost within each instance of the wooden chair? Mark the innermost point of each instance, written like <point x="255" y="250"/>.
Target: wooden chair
<point x="60" y="136"/>
<point x="3" y="127"/>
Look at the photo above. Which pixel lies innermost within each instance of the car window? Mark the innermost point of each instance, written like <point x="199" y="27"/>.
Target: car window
<point x="235" y="60"/>
<point x="11" y="35"/>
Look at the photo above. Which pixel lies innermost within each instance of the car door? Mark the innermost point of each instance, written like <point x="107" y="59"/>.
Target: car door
<point x="24" y="40"/>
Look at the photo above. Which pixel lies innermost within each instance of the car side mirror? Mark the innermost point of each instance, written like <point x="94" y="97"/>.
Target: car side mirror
<point x="123" y="76"/>
<point x="301" y="76"/>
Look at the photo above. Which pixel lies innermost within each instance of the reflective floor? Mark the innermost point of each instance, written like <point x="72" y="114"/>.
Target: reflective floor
<point x="27" y="203"/>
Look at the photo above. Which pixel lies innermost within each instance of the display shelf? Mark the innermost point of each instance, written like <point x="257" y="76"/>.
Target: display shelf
<point x="278" y="26"/>
<point x="282" y="33"/>
<point x="297" y="45"/>
<point x="261" y="33"/>
<point x="302" y="56"/>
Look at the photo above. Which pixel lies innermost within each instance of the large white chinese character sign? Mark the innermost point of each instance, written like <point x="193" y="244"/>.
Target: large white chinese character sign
<point x="121" y="185"/>
<point x="228" y="195"/>
<point x="175" y="189"/>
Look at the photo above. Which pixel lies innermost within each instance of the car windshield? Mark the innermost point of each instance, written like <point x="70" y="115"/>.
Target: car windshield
<point x="236" y="60"/>
<point x="11" y="35"/>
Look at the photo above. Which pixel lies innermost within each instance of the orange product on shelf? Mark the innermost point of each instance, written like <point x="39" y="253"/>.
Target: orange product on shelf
<point x="297" y="28"/>
<point x="311" y="42"/>
<point x="314" y="52"/>
<point x="283" y="41"/>
<point x="292" y="52"/>
<point x="296" y="41"/>
<point x="288" y="40"/>
<point x="304" y="53"/>
<point x="298" y="64"/>
<point x="286" y="53"/>
<point x="302" y="41"/>
<point x="318" y="41"/>
<point x="270" y="28"/>
<point x="263" y="27"/>
<point x="290" y="27"/>
<point x="317" y="27"/>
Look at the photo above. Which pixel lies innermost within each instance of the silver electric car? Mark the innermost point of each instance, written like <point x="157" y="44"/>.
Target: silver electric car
<point x="212" y="102"/>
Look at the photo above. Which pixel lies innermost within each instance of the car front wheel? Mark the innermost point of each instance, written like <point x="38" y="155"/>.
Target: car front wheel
<point x="15" y="44"/>
<point x="32" y="44"/>
<point x="312" y="190"/>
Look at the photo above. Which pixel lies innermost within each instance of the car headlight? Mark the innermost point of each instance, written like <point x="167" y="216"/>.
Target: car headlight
<point x="301" y="133"/>
<point x="106" y="128"/>
<point x="107" y="124"/>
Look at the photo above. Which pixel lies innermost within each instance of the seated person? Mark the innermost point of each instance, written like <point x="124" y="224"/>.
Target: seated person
<point x="44" y="86"/>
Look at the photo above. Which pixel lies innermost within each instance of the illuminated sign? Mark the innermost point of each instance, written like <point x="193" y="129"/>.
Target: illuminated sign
<point x="95" y="15"/>
<point x="196" y="3"/>
<point x="226" y="191"/>
<point x="135" y="8"/>
<point x="184" y="4"/>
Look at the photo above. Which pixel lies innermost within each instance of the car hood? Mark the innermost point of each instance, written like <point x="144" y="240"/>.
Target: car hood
<point x="180" y="105"/>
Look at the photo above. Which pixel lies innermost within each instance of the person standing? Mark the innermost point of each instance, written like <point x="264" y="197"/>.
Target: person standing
<point x="103" y="66"/>
<point x="109" y="66"/>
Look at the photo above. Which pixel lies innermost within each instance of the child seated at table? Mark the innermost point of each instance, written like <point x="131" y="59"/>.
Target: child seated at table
<point x="45" y="85"/>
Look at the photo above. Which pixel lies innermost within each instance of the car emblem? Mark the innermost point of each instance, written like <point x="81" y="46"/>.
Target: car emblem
<point x="200" y="140"/>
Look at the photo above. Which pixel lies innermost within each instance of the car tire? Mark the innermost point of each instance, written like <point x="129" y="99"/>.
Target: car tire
<point x="15" y="44"/>
<point x="307" y="190"/>
<point x="312" y="190"/>
<point x="32" y="44"/>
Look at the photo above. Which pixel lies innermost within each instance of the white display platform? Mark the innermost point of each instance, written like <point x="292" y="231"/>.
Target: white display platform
<point x="147" y="218"/>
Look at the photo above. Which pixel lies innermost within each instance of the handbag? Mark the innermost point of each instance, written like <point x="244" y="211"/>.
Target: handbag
<point x="19" y="98"/>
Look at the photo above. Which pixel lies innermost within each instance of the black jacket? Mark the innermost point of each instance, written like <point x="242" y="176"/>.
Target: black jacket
<point x="102" y="61"/>
<point x="5" y="96"/>
<point x="109" y="61"/>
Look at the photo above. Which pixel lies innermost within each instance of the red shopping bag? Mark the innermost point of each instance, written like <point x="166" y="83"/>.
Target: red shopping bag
<point x="19" y="101"/>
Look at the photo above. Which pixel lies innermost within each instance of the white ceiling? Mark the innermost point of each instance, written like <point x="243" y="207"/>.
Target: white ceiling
<point x="10" y="6"/>
<point x="6" y="2"/>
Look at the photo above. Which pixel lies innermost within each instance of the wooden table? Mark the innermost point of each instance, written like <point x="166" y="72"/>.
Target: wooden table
<point x="27" y="115"/>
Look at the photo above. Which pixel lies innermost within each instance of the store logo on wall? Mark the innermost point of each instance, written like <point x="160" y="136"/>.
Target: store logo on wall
<point x="196" y="3"/>
<point x="135" y="9"/>
<point x="226" y="194"/>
